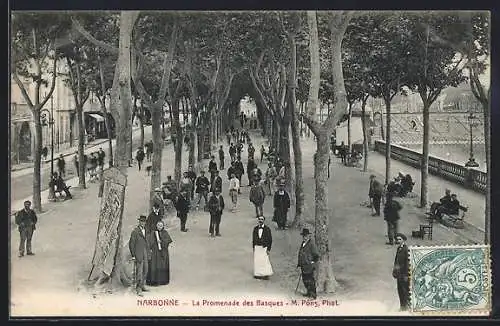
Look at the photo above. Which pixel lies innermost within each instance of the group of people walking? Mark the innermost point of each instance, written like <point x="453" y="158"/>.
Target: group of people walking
<point x="149" y="242"/>
<point x="391" y="210"/>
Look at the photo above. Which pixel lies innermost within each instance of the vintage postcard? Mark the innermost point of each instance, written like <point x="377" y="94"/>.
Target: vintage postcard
<point x="249" y="163"/>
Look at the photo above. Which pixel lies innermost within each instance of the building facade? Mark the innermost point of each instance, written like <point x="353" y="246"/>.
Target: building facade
<point x="61" y="106"/>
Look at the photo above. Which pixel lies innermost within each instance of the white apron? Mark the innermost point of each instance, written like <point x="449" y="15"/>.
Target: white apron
<point x="261" y="264"/>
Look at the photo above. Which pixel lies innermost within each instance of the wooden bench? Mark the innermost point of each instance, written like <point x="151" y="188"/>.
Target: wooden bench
<point x="451" y="220"/>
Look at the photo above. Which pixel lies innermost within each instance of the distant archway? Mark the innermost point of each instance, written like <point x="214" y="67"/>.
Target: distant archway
<point x="25" y="142"/>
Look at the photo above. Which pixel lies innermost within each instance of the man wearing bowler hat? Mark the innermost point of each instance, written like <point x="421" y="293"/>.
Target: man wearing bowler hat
<point x="140" y="250"/>
<point x="400" y="271"/>
<point x="26" y="220"/>
<point x="308" y="257"/>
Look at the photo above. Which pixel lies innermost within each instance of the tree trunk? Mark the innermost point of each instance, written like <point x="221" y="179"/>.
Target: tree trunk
<point x="388" y="141"/>
<point x="487" y="142"/>
<point x="284" y="149"/>
<point x="81" y="147"/>
<point x="424" y="166"/>
<point x="299" y="180"/>
<point x="108" y="132"/>
<point x="365" y="135"/>
<point x="200" y="146"/>
<point x="326" y="279"/>
<point x="123" y="127"/>
<point x="349" y="133"/>
<point x="157" y="152"/>
<point x="37" y="161"/>
<point x="176" y="126"/>
<point x="192" y="144"/>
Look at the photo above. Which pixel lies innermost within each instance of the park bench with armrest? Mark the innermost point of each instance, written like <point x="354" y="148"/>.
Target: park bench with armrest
<point x="451" y="220"/>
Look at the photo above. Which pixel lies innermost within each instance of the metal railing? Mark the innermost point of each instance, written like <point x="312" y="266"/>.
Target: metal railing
<point x="468" y="177"/>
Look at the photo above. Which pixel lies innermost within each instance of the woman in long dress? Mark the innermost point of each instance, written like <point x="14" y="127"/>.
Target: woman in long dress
<point x="159" y="265"/>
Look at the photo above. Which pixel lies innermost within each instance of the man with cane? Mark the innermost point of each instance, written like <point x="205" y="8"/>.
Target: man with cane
<point x="308" y="256"/>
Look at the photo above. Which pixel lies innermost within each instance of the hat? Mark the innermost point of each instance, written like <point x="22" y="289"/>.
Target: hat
<point x="157" y="189"/>
<point x="282" y="183"/>
<point x="305" y="231"/>
<point x="373" y="176"/>
<point x="402" y="236"/>
<point x="27" y="202"/>
<point x="202" y="171"/>
<point x="142" y="218"/>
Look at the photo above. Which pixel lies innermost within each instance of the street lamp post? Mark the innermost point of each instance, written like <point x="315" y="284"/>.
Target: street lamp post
<point x="50" y="121"/>
<point x="471" y="118"/>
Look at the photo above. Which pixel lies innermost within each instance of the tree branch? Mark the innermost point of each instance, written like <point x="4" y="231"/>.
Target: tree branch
<point x="167" y="65"/>
<point x="53" y="84"/>
<point x="105" y="46"/>
<point x="23" y="90"/>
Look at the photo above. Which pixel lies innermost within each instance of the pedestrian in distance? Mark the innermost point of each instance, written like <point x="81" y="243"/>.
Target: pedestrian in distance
<point x="139" y="156"/>
<point x="250" y="166"/>
<point x="234" y="186"/>
<point x="192" y="177"/>
<point x="182" y="206"/>
<point x="159" y="199"/>
<point x="221" y="157"/>
<point x="216" y="182"/>
<point x="251" y="151"/>
<point x="262" y="241"/>
<point x="262" y="153"/>
<point x="141" y="254"/>
<point x="391" y="216"/>
<point x="202" y="184"/>
<point x="307" y="261"/>
<point x="61" y="165"/>
<point x="186" y="185"/>
<point x="26" y="220"/>
<point x="240" y="170"/>
<point x="400" y="271"/>
<point x="159" y="264"/>
<point x="231" y="170"/>
<point x="75" y="162"/>
<point x="101" y="155"/>
<point x="281" y="204"/>
<point x="270" y="180"/>
<point x="212" y="167"/>
<point x="232" y="152"/>
<point x="375" y="194"/>
<point x="215" y="207"/>
<point x="257" y="197"/>
<point x="153" y="218"/>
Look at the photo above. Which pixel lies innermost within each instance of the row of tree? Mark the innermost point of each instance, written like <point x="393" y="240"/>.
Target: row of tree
<point x="289" y="62"/>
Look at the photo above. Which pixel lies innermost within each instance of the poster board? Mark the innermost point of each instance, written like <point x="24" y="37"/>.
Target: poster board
<point x="110" y="213"/>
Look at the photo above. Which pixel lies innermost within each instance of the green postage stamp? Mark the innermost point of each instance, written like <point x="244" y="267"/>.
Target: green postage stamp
<point x="452" y="280"/>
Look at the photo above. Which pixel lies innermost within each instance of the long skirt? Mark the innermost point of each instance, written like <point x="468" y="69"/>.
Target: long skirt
<point x="159" y="269"/>
<point x="261" y="264"/>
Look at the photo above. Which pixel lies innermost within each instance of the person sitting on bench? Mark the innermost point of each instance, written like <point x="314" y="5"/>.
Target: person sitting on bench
<point x="437" y="207"/>
<point x="60" y="185"/>
<point x="406" y="185"/>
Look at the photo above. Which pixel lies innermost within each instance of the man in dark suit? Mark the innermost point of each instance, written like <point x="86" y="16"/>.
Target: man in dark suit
<point x="375" y="194"/>
<point x="239" y="170"/>
<point x="182" y="206"/>
<point x="262" y="241"/>
<point x="26" y="220"/>
<point x="308" y="256"/>
<point x="212" y="167"/>
<point x="400" y="271"/>
<point x="216" y="181"/>
<point x="215" y="207"/>
<point x="139" y="249"/>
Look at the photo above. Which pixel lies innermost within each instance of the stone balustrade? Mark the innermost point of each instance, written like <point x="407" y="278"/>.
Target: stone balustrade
<point x="468" y="177"/>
